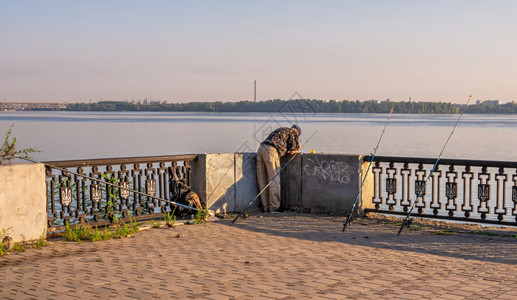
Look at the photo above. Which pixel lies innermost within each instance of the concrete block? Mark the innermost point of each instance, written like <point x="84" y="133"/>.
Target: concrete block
<point x="23" y="201"/>
<point x="246" y="186"/>
<point x="213" y="179"/>
<point x="315" y="183"/>
<point x="291" y="182"/>
<point x="330" y="182"/>
<point x="198" y="183"/>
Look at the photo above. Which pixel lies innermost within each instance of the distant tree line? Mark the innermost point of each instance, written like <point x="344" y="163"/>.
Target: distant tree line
<point x="297" y="106"/>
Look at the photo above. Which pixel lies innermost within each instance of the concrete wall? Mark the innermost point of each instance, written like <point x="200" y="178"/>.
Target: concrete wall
<point x="23" y="201"/>
<point x="227" y="182"/>
<point x="330" y="182"/>
<point x="314" y="183"/>
<point x="291" y="182"/>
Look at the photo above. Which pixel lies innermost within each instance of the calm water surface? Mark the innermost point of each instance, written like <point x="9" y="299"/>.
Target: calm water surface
<point x="81" y="135"/>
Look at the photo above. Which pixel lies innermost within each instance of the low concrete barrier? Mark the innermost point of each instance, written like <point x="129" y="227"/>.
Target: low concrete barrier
<point x="227" y="182"/>
<point x="23" y="202"/>
<point x="314" y="183"/>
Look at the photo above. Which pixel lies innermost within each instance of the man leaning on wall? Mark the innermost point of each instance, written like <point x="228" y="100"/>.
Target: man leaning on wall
<point x="279" y="142"/>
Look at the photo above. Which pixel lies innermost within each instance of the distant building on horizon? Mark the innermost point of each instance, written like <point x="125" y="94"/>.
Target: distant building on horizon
<point x="379" y="101"/>
<point x="488" y="102"/>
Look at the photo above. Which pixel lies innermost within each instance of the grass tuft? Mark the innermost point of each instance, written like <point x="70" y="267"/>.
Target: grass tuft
<point x="89" y="233"/>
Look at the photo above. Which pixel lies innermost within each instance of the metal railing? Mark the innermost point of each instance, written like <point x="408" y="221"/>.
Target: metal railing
<point x="97" y="191"/>
<point x="462" y="190"/>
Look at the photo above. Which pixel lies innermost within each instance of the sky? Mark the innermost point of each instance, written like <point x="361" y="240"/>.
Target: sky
<point x="182" y="51"/>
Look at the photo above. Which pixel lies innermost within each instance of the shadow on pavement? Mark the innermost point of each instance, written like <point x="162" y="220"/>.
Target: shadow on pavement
<point x="373" y="233"/>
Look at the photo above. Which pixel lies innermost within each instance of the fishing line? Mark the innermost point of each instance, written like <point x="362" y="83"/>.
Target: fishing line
<point x="407" y="221"/>
<point x="108" y="183"/>
<point x="274" y="177"/>
<point x="349" y="217"/>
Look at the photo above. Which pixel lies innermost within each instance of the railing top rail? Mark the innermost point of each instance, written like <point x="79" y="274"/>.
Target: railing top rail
<point x="120" y="160"/>
<point x="443" y="161"/>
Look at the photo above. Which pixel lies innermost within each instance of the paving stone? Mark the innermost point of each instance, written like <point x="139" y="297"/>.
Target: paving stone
<point x="292" y="256"/>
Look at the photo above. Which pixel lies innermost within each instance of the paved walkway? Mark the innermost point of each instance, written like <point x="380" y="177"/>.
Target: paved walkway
<point x="287" y="256"/>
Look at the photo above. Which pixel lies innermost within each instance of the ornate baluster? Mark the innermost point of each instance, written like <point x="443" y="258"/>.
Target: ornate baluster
<point x="406" y="173"/>
<point x="80" y="195"/>
<point x="162" y="186"/>
<point x="468" y="177"/>
<point x="435" y="187"/>
<point x="51" y="205"/>
<point x="451" y="191"/>
<point x="150" y="187"/>
<point x="501" y="179"/>
<point x="124" y="192"/>
<point x="484" y="193"/>
<point x="139" y="203"/>
<point x="111" y="196"/>
<point x="95" y="194"/>
<point x="376" y="171"/>
<point x="188" y="172"/>
<point x="514" y="195"/>
<point x="65" y="197"/>
<point x="420" y="188"/>
<point x="391" y="186"/>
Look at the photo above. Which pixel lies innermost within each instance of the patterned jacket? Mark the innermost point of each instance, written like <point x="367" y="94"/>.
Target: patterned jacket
<point x="284" y="139"/>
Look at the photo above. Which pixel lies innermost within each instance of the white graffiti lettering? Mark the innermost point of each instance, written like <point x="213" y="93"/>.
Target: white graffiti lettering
<point x="327" y="170"/>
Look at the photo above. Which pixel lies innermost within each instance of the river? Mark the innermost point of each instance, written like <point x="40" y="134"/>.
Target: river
<point x="81" y="135"/>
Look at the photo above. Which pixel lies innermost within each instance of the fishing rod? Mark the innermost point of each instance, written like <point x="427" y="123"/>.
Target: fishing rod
<point x="350" y="215"/>
<point x="407" y="221"/>
<point x="107" y="183"/>
<point x="272" y="179"/>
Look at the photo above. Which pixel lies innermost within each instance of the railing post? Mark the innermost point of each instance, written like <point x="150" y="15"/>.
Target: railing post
<point x="23" y="202"/>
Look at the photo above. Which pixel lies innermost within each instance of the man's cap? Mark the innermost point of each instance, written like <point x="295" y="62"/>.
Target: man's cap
<point x="297" y="128"/>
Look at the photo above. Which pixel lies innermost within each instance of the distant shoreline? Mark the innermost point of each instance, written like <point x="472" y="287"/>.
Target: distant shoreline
<point x="274" y="106"/>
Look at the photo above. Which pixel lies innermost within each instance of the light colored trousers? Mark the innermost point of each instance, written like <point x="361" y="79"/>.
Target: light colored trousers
<point x="268" y="165"/>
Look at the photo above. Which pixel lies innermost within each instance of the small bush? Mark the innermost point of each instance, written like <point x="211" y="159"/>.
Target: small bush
<point x="8" y="149"/>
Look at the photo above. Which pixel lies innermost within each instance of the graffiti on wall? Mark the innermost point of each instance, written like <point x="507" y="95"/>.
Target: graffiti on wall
<point x="328" y="170"/>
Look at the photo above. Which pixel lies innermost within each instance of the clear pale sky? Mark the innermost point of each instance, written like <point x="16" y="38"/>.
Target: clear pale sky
<point x="213" y="50"/>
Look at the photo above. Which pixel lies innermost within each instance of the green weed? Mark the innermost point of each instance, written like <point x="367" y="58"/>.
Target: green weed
<point x="170" y="218"/>
<point x="443" y="232"/>
<point x="8" y="149"/>
<point x="155" y="225"/>
<point x="41" y="242"/>
<point x="88" y="233"/>
<point x="201" y="216"/>
<point x="19" y="247"/>
<point x="488" y="233"/>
